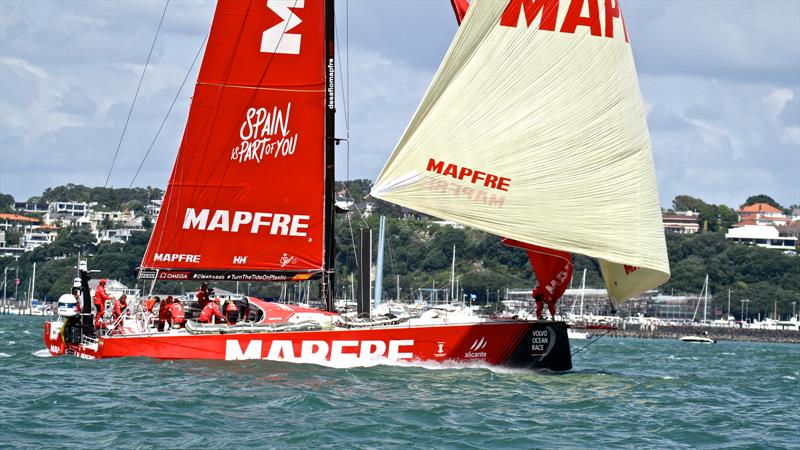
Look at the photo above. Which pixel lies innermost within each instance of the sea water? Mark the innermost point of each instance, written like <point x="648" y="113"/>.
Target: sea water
<point x="622" y="393"/>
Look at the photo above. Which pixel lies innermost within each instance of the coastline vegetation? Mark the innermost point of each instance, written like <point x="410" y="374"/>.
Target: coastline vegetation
<point x="420" y="252"/>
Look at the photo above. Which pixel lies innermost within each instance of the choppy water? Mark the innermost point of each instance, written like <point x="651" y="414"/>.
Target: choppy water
<point x="622" y="393"/>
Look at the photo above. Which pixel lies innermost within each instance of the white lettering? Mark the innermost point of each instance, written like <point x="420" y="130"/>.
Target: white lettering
<point x="219" y="221"/>
<point x="394" y="349"/>
<point x="340" y="356"/>
<point x="371" y="350"/>
<point x="258" y="221"/>
<point x="233" y="350"/>
<point x="240" y="218"/>
<point x="281" y="351"/>
<point x="280" y="224"/>
<point x="314" y="351"/>
<point x="275" y="39"/>
<point x="193" y="220"/>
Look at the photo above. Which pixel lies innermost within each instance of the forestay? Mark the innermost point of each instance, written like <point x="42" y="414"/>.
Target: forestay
<point x="533" y="128"/>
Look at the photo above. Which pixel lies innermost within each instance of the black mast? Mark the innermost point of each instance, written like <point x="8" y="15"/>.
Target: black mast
<point x="330" y="172"/>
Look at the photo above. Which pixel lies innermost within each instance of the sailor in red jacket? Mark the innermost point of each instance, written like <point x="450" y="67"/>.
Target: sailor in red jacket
<point x="101" y="296"/>
<point x="177" y="317"/>
<point x="162" y="312"/>
<point x="119" y="306"/>
<point x="211" y="310"/>
<point x="203" y="297"/>
<point x="231" y="312"/>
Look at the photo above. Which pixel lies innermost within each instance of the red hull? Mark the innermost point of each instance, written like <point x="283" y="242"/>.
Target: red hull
<point x="531" y="344"/>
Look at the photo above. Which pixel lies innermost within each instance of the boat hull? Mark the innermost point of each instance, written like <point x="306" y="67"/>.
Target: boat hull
<point x="523" y="344"/>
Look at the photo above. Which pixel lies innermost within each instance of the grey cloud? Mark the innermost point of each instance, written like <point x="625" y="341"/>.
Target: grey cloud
<point x="702" y="112"/>
<point x="749" y="41"/>
<point x="790" y="116"/>
<point x="75" y="101"/>
<point x="661" y="118"/>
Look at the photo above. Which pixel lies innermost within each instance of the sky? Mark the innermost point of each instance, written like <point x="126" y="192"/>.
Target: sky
<point x="720" y="80"/>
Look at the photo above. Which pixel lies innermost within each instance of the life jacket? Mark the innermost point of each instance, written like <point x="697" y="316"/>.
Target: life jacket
<point x="202" y="298"/>
<point x="210" y="310"/>
<point x="231" y="312"/>
<point x="176" y="313"/>
<point x="162" y="310"/>
<point x="119" y="307"/>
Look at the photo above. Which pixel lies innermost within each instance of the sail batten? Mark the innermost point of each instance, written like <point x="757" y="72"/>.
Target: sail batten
<point x="533" y="128"/>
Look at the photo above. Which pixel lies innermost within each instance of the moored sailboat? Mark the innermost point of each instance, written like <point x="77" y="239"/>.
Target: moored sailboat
<point x="251" y="193"/>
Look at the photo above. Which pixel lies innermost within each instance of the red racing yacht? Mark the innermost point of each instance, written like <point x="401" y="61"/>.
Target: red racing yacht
<point x="532" y="110"/>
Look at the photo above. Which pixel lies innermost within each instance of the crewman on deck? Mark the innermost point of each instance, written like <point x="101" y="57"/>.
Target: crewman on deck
<point x="176" y="315"/>
<point x="203" y="295"/>
<point x="162" y="313"/>
<point x="119" y="306"/>
<point x="101" y="296"/>
<point x="231" y="312"/>
<point x="211" y="310"/>
<point x="540" y="300"/>
<point x="150" y="303"/>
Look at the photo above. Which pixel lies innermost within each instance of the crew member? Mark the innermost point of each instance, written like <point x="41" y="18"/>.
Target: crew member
<point x="150" y="303"/>
<point x="119" y="306"/>
<point x="540" y="300"/>
<point x="203" y="295"/>
<point x="101" y="296"/>
<point x="177" y="317"/>
<point x="162" y="313"/>
<point x="231" y="312"/>
<point x="211" y="310"/>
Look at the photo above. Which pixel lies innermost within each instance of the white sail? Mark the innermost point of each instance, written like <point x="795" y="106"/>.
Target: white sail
<point x="533" y="128"/>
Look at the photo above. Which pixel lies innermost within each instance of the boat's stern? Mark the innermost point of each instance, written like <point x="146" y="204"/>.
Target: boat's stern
<point x="54" y="337"/>
<point x="544" y="347"/>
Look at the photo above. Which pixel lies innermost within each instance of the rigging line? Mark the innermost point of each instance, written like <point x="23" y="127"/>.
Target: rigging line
<point x="136" y="95"/>
<point x="345" y="86"/>
<point x="590" y="343"/>
<point x="352" y="238"/>
<point x="174" y="100"/>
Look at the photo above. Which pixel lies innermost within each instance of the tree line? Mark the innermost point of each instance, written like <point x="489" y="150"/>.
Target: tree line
<point x="420" y="252"/>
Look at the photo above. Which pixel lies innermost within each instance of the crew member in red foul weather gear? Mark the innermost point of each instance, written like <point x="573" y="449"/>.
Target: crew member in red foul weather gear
<point x="100" y="297"/>
<point x="162" y="313"/>
<point x="150" y="303"/>
<point x="540" y="300"/>
<point x="203" y="297"/>
<point x="119" y="306"/>
<point x="177" y="317"/>
<point x="231" y="312"/>
<point x="211" y="310"/>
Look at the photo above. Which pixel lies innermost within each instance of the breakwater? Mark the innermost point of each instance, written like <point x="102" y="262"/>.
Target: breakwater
<point x="717" y="333"/>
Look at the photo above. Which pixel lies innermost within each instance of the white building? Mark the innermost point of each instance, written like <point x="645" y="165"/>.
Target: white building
<point x="763" y="236"/>
<point x="78" y="209"/>
<point x="154" y="208"/>
<point x="35" y="239"/>
<point x="118" y="235"/>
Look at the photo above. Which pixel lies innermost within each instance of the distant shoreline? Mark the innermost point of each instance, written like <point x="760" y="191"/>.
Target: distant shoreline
<point x="716" y="333"/>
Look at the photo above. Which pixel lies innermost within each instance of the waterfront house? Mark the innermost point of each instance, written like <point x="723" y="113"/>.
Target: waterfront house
<point x="682" y="222"/>
<point x="763" y="236"/>
<point x="761" y="214"/>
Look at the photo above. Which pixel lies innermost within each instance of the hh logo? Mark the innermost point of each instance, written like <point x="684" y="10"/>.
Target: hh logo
<point x="479" y="344"/>
<point x="278" y="39"/>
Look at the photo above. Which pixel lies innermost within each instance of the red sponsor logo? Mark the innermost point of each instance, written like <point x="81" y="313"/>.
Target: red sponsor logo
<point x="629" y="269"/>
<point x="547" y="13"/>
<point x="472" y="175"/>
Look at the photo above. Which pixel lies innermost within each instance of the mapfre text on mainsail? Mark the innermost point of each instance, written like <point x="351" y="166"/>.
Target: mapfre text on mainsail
<point x="246" y="221"/>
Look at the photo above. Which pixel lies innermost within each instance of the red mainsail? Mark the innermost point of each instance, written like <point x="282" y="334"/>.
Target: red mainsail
<point x="247" y="195"/>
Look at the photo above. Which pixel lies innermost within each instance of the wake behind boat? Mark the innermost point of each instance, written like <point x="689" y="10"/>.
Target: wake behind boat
<point x="251" y="195"/>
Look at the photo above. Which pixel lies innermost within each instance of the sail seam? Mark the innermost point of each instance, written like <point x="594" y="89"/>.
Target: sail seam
<point x="259" y="88"/>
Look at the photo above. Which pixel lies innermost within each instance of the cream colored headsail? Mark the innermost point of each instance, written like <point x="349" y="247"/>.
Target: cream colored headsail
<point x="533" y="128"/>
